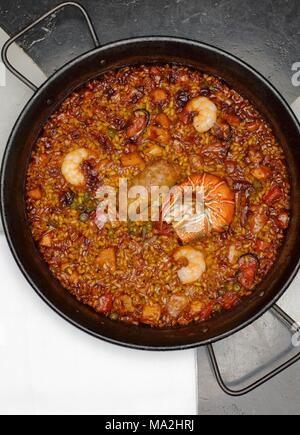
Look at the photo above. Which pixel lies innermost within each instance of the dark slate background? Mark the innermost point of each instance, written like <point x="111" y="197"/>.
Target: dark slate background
<point x="265" y="33"/>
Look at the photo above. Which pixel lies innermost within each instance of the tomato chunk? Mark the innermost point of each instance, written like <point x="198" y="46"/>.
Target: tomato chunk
<point x="262" y="173"/>
<point x="159" y="96"/>
<point x="230" y="300"/>
<point x="207" y="311"/>
<point x="261" y="246"/>
<point x="258" y="220"/>
<point x="249" y="264"/>
<point x="282" y="220"/>
<point x="273" y="195"/>
<point x="104" y="304"/>
<point x="163" y="121"/>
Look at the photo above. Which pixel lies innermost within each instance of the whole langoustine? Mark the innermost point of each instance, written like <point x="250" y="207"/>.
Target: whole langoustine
<point x="214" y="211"/>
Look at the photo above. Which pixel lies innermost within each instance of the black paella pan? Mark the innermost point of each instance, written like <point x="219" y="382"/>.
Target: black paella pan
<point x="46" y="100"/>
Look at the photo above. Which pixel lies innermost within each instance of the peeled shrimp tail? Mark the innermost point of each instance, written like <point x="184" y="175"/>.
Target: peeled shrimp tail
<point x="71" y="167"/>
<point x="206" y="113"/>
<point x="196" y="264"/>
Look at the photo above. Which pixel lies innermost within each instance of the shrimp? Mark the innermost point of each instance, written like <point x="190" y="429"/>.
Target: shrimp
<point x="196" y="264"/>
<point x="206" y="113"/>
<point x="214" y="211"/>
<point x="71" y="166"/>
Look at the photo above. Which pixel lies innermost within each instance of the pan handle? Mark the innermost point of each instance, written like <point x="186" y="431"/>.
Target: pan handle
<point x="290" y="323"/>
<point x="4" y="53"/>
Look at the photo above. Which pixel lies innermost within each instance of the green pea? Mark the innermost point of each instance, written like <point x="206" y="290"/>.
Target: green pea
<point x="91" y="207"/>
<point x="111" y="233"/>
<point x="112" y="133"/>
<point x="133" y="230"/>
<point x="236" y="287"/>
<point x="84" y="217"/>
<point x="52" y="224"/>
<point x="257" y="184"/>
<point x="149" y="227"/>
<point x="87" y="197"/>
<point x="114" y="316"/>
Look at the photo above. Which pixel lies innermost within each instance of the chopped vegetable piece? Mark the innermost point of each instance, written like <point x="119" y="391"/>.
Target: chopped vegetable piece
<point x="206" y="313"/>
<point x="249" y="265"/>
<point x="104" y="304"/>
<point x="112" y="133"/>
<point x="163" y="121"/>
<point x="230" y="300"/>
<point x="107" y="258"/>
<point x="159" y="96"/>
<point x="46" y="241"/>
<point x="196" y="308"/>
<point x="151" y="314"/>
<point x="258" y="220"/>
<point x="262" y="173"/>
<point x="273" y="195"/>
<point x="125" y="304"/>
<point x="133" y="159"/>
<point x="282" y="220"/>
<point x="84" y="217"/>
<point x="114" y="316"/>
<point x="153" y="150"/>
<point x="35" y="194"/>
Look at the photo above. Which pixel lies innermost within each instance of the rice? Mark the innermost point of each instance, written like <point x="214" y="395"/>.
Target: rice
<point x="146" y="275"/>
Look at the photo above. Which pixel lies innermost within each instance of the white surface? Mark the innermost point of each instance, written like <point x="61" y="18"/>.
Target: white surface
<point x="49" y="367"/>
<point x="14" y="95"/>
